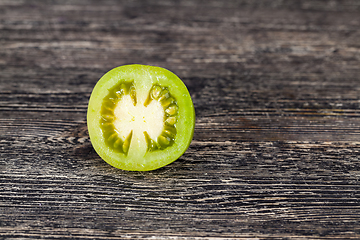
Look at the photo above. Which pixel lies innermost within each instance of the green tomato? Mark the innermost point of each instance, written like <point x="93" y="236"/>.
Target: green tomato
<point x="140" y="118"/>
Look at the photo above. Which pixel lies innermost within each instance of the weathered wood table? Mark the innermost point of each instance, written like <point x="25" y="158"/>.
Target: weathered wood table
<point x="276" y="88"/>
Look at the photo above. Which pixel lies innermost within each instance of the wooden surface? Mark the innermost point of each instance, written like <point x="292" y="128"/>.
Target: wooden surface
<point x="276" y="87"/>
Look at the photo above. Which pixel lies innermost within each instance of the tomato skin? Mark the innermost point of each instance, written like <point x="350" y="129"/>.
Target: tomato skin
<point x="144" y="77"/>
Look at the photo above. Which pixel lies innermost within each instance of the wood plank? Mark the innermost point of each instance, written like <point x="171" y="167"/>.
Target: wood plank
<point x="275" y="152"/>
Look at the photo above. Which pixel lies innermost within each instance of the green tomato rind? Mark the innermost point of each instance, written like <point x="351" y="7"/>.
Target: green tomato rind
<point x="144" y="77"/>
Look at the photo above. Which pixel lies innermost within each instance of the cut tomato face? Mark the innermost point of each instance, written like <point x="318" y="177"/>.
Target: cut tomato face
<point x="140" y="118"/>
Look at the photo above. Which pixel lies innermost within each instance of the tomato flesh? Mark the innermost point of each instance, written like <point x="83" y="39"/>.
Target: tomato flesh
<point x="140" y="117"/>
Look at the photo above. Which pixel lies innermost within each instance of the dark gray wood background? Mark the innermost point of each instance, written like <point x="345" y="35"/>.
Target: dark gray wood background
<point x="276" y="88"/>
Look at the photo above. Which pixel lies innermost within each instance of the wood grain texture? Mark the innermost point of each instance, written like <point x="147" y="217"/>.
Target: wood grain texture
<point x="276" y="88"/>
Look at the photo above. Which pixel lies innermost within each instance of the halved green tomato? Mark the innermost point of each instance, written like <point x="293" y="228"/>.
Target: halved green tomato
<point x="140" y="117"/>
